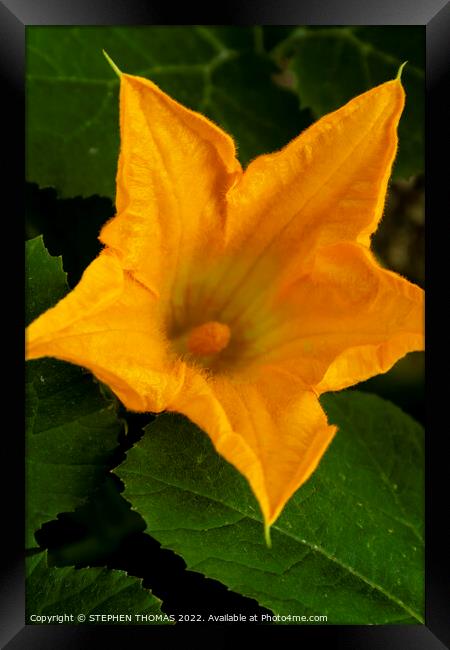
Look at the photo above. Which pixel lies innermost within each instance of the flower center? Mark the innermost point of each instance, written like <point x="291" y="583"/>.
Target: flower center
<point x="209" y="338"/>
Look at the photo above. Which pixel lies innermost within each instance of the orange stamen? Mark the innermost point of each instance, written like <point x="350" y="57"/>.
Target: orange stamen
<point x="209" y="338"/>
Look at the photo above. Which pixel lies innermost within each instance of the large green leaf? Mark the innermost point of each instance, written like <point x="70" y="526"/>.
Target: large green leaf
<point x="223" y="71"/>
<point x="332" y="65"/>
<point x="72" y="95"/>
<point x="349" y="544"/>
<point x="96" y="593"/>
<point x="72" y="429"/>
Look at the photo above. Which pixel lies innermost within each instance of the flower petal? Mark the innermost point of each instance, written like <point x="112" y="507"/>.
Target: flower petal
<point x="272" y="430"/>
<point x="108" y="324"/>
<point x="325" y="186"/>
<point x="175" y="167"/>
<point x="345" y="320"/>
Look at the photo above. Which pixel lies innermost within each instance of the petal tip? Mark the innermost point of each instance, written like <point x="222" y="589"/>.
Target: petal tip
<point x="267" y="537"/>
<point x="400" y="70"/>
<point x="112" y="64"/>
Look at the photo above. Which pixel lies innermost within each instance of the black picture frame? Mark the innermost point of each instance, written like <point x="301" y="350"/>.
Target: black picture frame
<point x="434" y="15"/>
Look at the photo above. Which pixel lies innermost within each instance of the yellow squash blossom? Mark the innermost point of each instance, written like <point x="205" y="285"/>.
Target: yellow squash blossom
<point x="238" y="297"/>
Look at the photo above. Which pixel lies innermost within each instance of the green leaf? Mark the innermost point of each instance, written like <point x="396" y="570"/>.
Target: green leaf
<point x="349" y="544"/>
<point x="332" y="65"/>
<point x="94" y="593"/>
<point x="72" y="429"/>
<point x="72" y="95"/>
<point x="46" y="281"/>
